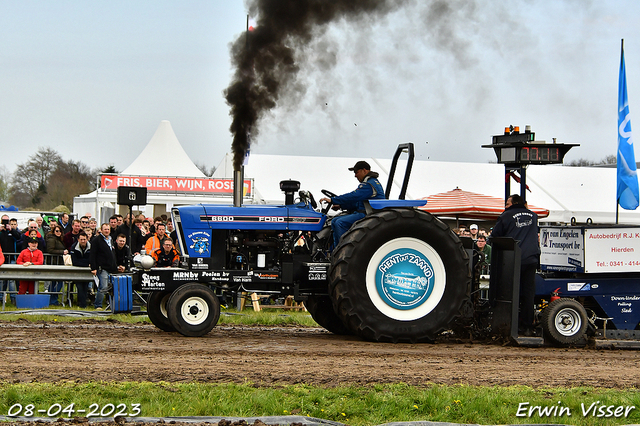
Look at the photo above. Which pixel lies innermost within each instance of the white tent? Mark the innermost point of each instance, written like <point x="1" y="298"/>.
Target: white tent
<point x="163" y="156"/>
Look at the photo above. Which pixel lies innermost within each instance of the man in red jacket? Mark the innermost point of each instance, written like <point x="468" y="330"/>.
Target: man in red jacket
<point x="27" y="257"/>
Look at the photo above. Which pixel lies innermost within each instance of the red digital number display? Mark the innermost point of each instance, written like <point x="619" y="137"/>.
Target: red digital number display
<point x="539" y="154"/>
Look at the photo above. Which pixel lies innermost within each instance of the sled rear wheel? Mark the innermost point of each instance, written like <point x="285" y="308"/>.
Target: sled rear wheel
<point x="564" y="321"/>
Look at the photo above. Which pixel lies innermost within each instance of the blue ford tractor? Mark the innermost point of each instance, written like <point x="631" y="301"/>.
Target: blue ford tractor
<point x="398" y="275"/>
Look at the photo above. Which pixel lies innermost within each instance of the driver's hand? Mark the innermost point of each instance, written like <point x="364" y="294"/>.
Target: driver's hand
<point x="335" y="207"/>
<point x="325" y="200"/>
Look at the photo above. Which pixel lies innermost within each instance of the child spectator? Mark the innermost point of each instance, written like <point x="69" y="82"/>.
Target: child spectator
<point x="29" y="256"/>
<point x="32" y="233"/>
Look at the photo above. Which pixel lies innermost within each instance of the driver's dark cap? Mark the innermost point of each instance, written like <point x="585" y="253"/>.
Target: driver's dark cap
<point x="360" y="165"/>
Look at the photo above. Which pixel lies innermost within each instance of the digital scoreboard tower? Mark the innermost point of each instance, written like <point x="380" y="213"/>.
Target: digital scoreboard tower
<point x="517" y="150"/>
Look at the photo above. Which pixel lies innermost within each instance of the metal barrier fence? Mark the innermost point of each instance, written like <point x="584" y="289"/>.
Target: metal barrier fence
<point x="53" y="269"/>
<point x="49" y="259"/>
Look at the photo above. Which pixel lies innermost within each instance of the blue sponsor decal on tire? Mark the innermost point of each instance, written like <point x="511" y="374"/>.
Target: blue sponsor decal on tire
<point x="404" y="279"/>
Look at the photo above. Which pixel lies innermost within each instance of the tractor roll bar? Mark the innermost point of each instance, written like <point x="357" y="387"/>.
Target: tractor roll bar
<point x="408" y="147"/>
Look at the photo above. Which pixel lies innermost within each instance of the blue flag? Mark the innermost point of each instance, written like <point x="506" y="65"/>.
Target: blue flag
<point x="628" y="197"/>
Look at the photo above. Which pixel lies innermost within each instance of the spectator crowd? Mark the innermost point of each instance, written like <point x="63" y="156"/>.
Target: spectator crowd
<point x="481" y="247"/>
<point x="104" y="250"/>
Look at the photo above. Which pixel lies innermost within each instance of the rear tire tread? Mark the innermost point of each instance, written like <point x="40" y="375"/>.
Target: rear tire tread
<point x="348" y="300"/>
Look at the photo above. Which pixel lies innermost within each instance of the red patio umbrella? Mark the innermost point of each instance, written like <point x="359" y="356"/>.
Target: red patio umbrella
<point x="465" y="204"/>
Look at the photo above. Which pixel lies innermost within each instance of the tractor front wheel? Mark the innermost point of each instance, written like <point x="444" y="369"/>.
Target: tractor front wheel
<point x="157" y="310"/>
<point x="193" y="310"/>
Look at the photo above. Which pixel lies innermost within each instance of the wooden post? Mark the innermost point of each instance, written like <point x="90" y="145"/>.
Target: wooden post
<point x="256" y="302"/>
<point x="243" y="300"/>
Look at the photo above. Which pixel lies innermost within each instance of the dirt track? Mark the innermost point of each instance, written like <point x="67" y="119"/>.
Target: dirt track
<point x="285" y="355"/>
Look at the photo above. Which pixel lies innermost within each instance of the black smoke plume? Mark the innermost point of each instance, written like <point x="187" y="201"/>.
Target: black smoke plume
<point x="265" y="58"/>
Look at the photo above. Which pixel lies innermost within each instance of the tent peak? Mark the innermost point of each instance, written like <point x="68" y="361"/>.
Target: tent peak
<point x="163" y="156"/>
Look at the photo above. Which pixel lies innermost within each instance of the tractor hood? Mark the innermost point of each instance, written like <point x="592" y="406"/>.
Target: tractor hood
<point x="295" y="217"/>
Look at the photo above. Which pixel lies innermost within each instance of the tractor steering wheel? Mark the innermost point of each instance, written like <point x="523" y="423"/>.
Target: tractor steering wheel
<point x="329" y="194"/>
<point x="312" y="200"/>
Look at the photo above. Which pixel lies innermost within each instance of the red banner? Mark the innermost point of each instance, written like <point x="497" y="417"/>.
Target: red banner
<point x="174" y="184"/>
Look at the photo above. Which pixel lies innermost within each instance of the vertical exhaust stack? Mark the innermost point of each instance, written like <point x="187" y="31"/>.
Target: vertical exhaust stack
<point x="268" y="57"/>
<point x="238" y="186"/>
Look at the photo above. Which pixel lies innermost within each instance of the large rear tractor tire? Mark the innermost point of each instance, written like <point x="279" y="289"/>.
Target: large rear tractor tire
<point x="193" y="310"/>
<point x="399" y="275"/>
<point x="157" y="310"/>
<point x="564" y="321"/>
<point x="321" y="310"/>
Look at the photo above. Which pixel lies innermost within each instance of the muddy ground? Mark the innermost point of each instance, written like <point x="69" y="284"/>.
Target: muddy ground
<point x="54" y="352"/>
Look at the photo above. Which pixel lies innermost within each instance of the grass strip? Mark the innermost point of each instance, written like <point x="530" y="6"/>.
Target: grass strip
<point x="353" y="405"/>
<point x="273" y="317"/>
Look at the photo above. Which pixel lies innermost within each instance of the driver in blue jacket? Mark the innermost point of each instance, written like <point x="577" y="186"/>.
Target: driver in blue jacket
<point x="353" y="202"/>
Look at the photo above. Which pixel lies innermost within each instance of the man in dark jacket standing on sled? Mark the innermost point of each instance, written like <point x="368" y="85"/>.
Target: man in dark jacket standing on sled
<point x="521" y="224"/>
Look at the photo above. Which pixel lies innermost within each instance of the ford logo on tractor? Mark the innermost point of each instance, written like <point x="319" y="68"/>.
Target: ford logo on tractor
<point x="271" y="219"/>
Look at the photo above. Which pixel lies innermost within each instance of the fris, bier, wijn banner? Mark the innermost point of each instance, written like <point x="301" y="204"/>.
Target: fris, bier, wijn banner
<point x="174" y="184"/>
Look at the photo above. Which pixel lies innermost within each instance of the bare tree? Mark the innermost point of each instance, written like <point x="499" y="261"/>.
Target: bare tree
<point x="5" y="180"/>
<point x="583" y="162"/>
<point x="110" y="169"/>
<point x="29" y="183"/>
<point x="580" y="162"/>
<point x="46" y="181"/>
<point x="68" y="180"/>
<point x="208" y="171"/>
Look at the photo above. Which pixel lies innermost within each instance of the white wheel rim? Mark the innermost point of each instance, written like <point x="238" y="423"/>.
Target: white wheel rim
<point x="194" y="310"/>
<point x="568" y="322"/>
<point x="405" y="279"/>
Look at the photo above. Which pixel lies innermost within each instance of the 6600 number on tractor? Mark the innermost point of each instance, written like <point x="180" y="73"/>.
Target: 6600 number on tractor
<point x="398" y="275"/>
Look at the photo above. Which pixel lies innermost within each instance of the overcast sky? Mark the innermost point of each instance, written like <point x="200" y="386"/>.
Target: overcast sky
<point x="93" y="79"/>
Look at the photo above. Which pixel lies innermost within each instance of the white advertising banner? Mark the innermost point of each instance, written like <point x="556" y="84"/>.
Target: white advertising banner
<point x="612" y="250"/>
<point x="561" y="249"/>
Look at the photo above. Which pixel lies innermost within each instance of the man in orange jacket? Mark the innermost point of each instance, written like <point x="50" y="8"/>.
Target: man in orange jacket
<point x="155" y="241"/>
<point x="166" y="256"/>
